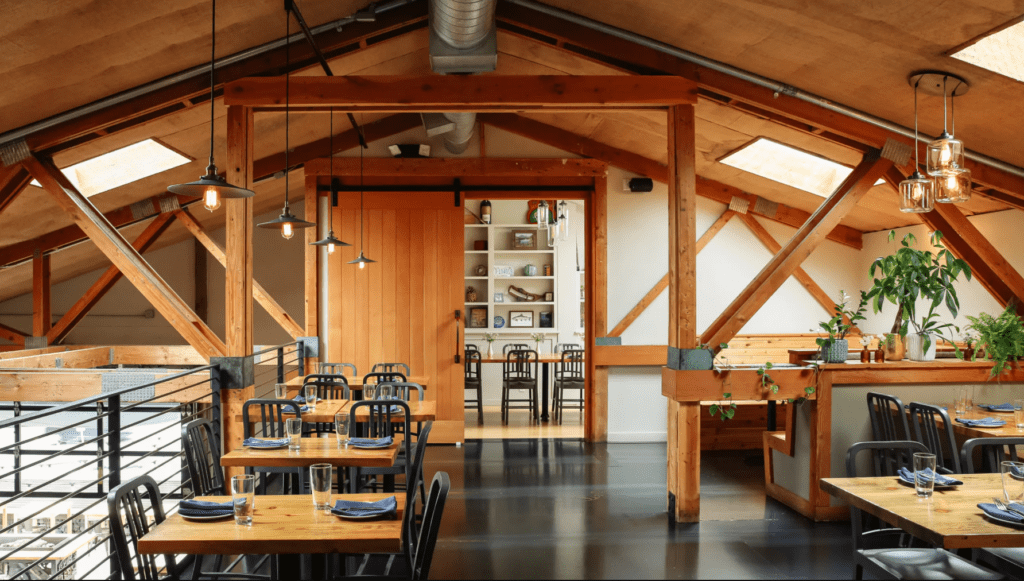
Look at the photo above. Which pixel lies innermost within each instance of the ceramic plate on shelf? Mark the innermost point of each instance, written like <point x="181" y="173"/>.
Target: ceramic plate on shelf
<point x="499" y="322"/>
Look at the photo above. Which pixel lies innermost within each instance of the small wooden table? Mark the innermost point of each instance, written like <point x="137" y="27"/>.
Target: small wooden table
<point x="281" y="525"/>
<point x="1008" y="430"/>
<point x="950" y="520"/>
<point x="314" y="451"/>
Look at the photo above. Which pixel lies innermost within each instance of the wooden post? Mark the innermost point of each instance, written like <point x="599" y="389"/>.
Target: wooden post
<point x="597" y="293"/>
<point x="41" y="319"/>
<point x="201" y="291"/>
<point x="312" y="271"/>
<point x="683" y="418"/>
<point x="238" y="292"/>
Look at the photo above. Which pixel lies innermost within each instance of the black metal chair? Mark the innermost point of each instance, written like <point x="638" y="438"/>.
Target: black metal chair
<point x="129" y="523"/>
<point x="940" y="441"/>
<point x="380" y="424"/>
<point x="887" y="552"/>
<point x="888" y="418"/>
<point x="992" y="452"/>
<point x="568" y="376"/>
<point x="514" y="347"/>
<point x="337" y="369"/>
<point x="474" y="383"/>
<point x="391" y="368"/>
<point x="270" y="422"/>
<point x="328" y="386"/>
<point x="378" y="377"/>
<point x="519" y="372"/>
<point x="561" y="347"/>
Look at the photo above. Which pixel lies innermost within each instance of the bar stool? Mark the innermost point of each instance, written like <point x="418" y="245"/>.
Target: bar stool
<point x="519" y="372"/>
<point x="474" y="382"/>
<point x="568" y="375"/>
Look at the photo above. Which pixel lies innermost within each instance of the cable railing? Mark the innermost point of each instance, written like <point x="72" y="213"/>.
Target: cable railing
<point x="273" y="365"/>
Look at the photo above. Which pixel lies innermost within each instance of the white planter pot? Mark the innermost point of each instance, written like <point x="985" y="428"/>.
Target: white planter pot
<point x="915" y="348"/>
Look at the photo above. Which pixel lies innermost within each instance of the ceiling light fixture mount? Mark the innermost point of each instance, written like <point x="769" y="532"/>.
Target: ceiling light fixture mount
<point x="212" y="188"/>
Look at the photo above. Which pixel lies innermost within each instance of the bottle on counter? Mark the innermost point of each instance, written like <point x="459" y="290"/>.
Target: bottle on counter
<point x="865" y="355"/>
<point x="485" y="212"/>
<point x="880" y="354"/>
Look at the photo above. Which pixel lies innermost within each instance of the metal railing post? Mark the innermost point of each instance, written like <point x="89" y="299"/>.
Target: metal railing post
<point x="302" y="357"/>
<point x="99" y="447"/>
<point x="215" y="398"/>
<point x="17" y="449"/>
<point x="114" y="440"/>
<point x="280" y="365"/>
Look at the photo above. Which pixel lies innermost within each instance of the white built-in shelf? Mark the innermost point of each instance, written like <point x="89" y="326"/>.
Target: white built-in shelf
<point x="475" y="252"/>
<point x="476" y="304"/>
<point x="551" y="251"/>
<point x="497" y="278"/>
<point x="507" y="330"/>
<point x="522" y="304"/>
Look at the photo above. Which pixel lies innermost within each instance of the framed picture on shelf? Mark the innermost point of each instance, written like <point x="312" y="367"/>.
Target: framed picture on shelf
<point x="499" y="297"/>
<point x="524" y="239"/>
<point x="477" y="318"/>
<point x="549" y="297"/>
<point x="546" y="321"/>
<point x="522" y="319"/>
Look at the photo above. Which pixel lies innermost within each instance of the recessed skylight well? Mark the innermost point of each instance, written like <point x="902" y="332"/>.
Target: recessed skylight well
<point x="122" y="166"/>
<point x="787" y="165"/>
<point x="1001" y="51"/>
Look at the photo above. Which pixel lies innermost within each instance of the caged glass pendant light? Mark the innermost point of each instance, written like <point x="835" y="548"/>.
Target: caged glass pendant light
<point x="917" y="195"/>
<point x="362" y="261"/>
<point x="212" y="188"/>
<point x="543" y="217"/>
<point x="287" y="222"/>
<point x="331" y="242"/>
<point x="954" y="186"/>
<point x="945" y="154"/>
<point x="563" y="220"/>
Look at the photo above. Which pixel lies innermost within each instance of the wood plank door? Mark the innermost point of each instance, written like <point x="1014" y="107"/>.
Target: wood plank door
<point x="402" y="308"/>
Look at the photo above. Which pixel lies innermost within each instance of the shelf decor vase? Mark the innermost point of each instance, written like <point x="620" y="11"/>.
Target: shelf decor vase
<point x="915" y="348"/>
<point x="490" y="349"/>
<point x="894" y="348"/>
<point x="836" y="352"/>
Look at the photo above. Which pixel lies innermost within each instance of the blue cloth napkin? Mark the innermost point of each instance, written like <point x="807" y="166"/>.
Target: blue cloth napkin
<point x="982" y="423"/>
<point x="940" y="480"/>
<point x="371" y="442"/>
<point x="204" y="508"/>
<point x="260" y="443"/>
<point x="1002" y="407"/>
<point x="387" y="507"/>
<point x="302" y="399"/>
<point x="994" y="511"/>
<point x="304" y="409"/>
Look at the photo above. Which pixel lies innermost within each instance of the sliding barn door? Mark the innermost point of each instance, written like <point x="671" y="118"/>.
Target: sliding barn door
<point x="402" y="308"/>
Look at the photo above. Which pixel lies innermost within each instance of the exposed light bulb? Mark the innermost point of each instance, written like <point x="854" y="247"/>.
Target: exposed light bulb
<point x="362" y="265"/>
<point x="945" y="154"/>
<point x="330" y="248"/>
<point x="211" y="199"/>
<point x="951" y="182"/>
<point x="286" y="231"/>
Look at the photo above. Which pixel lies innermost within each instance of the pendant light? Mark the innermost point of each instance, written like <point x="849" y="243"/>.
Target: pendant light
<point x="955" y="185"/>
<point x="916" y="193"/>
<point x="563" y="220"/>
<point x="945" y="153"/>
<point x="362" y="261"/>
<point x="331" y="242"/>
<point x="286" y="221"/>
<point x="212" y="188"/>
<point x="542" y="215"/>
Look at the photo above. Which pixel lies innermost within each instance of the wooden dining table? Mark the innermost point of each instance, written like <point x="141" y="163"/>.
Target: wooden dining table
<point x="314" y="451"/>
<point x="545" y="362"/>
<point x="280" y="525"/>
<point x="951" y="519"/>
<point x="1010" y="429"/>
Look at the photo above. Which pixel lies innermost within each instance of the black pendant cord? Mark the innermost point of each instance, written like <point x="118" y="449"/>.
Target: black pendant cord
<point x="361" y="209"/>
<point x="330" y="201"/>
<point x="917" y="158"/>
<point x="944" y="116"/>
<point x="287" y="66"/>
<point x="213" y="56"/>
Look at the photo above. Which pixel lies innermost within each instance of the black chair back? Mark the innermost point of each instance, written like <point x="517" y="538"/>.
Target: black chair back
<point x="993" y="452"/>
<point x="379" y="377"/>
<point x="514" y="347"/>
<point x="410" y="526"/>
<point x="888" y="458"/>
<point x="379" y="423"/>
<point x="520" y="365"/>
<point x="391" y="368"/>
<point x="334" y="388"/>
<point x="202" y="456"/>
<point x="560" y="347"/>
<point x="471" y="347"/>
<point x="403" y="390"/>
<point x="888" y="418"/>
<point x="127" y="509"/>
<point x="472" y="365"/>
<point x="337" y="368"/>
<point x="570" y="368"/>
<point x="272" y="414"/>
<point x="939" y="440"/>
<point x="432" y="515"/>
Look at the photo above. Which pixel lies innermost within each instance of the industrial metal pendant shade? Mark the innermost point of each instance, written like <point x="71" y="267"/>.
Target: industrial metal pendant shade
<point x="331" y="242"/>
<point x="362" y="261"/>
<point x="212" y="188"/>
<point x="917" y="195"/>
<point x="286" y="221"/>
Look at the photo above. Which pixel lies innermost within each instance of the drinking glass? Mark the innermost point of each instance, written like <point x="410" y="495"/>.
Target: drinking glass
<point x="369" y="391"/>
<point x="293" y="427"/>
<point x="341" y="429"/>
<point x="969" y="398"/>
<point x="281" y="390"/>
<point x="960" y="403"/>
<point x="1018" y="413"/>
<point x="924" y="486"/>
<point x="320" y="484"/>
<point x="243" y="497"/>
<point x="385" y="391"/>
<point x="310" y="394"/>
<point x="1013" y="480"/>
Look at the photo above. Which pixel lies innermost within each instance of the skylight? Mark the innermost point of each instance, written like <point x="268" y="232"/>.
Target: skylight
<point x="123" y="166"/>
<point x="793" y="167"/>
<point x="1000" y="52"/>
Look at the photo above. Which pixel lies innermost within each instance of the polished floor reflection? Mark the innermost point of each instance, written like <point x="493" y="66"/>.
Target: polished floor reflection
<point x="534" y="509"/>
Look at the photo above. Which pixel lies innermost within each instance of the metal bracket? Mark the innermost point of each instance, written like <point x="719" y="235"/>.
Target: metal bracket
<point x="235" y="372"/>
<point x="311" y="346"/>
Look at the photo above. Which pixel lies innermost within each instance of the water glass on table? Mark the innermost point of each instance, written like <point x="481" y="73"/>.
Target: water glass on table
<point x="922" y="484"/>
<point x="969" y="398"/>
<point x="309" y="392"/>
<point x="385" y="391"/>
<point x="281" y="390"/>
<point x="243" y="497"/>
<point x="320" y="484"/>
<point x="370" y="391"/>
<point x="293" y="427"/>
<point x="341" y="429"/>
<point x="1013" y="480"/>
<point x="1018" y="413"/>
<point x="960" y="401"/>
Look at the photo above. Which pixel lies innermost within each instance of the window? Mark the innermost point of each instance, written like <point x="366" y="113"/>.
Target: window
<point x="793" y="167"/>
<point x="121" y="167"/>
<point x="999" y="51"/>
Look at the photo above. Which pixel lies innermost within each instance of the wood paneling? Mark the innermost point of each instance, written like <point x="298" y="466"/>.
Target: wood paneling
<point x="401" y="308"/>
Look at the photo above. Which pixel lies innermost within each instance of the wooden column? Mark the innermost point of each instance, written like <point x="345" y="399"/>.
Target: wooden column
<point x="201" y="291"/>
<point x="238" y="268"/>
<point x="683" y="418"/>
<point x="312" y="271"/>
<point x="41" y="319"/>
<point x="597" y="293"/>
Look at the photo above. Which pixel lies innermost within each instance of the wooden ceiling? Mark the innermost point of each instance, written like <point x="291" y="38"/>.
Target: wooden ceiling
<point x="57" y="57"/>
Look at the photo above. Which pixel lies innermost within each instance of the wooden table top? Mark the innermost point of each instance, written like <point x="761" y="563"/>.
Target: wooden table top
<point x="419" y="411"/>
<point x="325" y="410"/>
<point x="1008" y="430"/>
<point x="951" y="519"/>
<point x="314" y="451"/>
<point x="281" y="525"/>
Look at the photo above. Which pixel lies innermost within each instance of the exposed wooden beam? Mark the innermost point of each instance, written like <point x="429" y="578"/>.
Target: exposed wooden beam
<point x="11" y="334"/>
<point x="662" y="284"/>
<point x="492" y="167"/>
<point x="72" y="385"/>
<point x="13" y="180"/>
<point x="74" y="359"/>
<point x="463" y="92"/>
<point x="107" y="280"/>
<point x="135" y="268"/>
<point x="273" y="308"/>
<point x="627" y="160"/>
<point x="41" y="313"/>
<point x="800" y="246"/>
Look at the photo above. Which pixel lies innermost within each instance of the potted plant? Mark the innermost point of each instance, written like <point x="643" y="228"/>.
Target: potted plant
<point x="538" y="338"/>
<point x="910" y="274"/>
<point x="1000" y="339"/>
<point x="835" y="348"/>
<point x="892" y="344"/>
